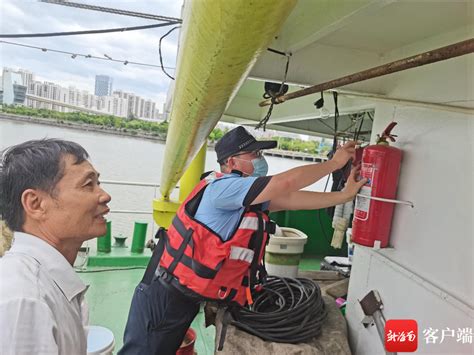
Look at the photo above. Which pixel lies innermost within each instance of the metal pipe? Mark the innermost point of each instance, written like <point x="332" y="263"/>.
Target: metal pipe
<point x="129" y="183"/>
<point x="131" y="211"/>
<point x="379" y="321"/>
<point x="433" y="56"/>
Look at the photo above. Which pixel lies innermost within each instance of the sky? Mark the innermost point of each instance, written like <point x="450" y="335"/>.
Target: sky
<point x="30" y="16"/>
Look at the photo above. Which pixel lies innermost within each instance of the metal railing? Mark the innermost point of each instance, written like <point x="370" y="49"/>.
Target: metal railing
<point x="135" y="184"/>
<point x="132" y="183"/>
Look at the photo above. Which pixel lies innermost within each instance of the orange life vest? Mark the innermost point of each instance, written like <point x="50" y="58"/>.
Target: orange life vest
<point x="202" y="263"/>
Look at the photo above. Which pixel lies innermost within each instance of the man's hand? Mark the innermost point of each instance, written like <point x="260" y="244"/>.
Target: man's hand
<point x="344" y="153"/>
<point x="352" y="185"/>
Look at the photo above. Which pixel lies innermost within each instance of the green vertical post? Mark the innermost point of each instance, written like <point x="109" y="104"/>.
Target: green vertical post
<point x="104" y="243"/>
<point x="139" y="235"/>
<point x="287" y="219"/>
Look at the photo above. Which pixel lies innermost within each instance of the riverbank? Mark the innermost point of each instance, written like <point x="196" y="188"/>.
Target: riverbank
<point x="82" y="126"/>
<point x="157" y="137"/>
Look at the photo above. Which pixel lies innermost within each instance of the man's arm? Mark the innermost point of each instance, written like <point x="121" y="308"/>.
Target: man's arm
<point x="309" y="200"/>
<point x="302" y="176"/>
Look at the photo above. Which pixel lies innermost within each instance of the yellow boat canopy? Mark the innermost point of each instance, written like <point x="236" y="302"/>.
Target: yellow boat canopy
<point x="220" y="42"/>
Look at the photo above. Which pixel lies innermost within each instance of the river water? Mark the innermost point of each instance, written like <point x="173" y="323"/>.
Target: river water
<point x="126" y="159"/>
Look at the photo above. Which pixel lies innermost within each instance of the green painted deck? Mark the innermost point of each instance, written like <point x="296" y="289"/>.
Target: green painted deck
<point x="111" y="291"/>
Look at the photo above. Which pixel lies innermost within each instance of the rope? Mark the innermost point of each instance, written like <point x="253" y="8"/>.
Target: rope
<point x="286" y="310"/>
<point x="272" y="95"/>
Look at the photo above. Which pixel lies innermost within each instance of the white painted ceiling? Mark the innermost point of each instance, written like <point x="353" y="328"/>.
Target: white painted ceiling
<point x="329" y="39"/>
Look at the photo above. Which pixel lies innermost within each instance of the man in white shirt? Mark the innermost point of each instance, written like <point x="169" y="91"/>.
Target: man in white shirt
<point x="50" y="197"/>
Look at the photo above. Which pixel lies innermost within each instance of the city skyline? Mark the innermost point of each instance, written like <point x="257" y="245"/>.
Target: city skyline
<point x="90" y="88"/>
<point x="119" y="103"/>
<point x="139" y="46"/>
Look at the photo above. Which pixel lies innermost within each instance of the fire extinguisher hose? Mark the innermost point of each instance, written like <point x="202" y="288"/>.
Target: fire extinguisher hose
<point x="286" y="310"/>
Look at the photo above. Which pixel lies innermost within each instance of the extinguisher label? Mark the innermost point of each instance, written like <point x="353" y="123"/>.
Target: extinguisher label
<point x="362" y="205"/>
<point x="367" y="171"/>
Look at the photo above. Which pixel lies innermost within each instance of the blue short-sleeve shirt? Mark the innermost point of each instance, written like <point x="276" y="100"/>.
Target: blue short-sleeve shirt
<point x="222" y="203"/>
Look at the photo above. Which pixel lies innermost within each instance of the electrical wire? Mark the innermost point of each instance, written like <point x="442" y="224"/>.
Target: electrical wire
<point x="88" y="32"/>
<point x="159" y="50"/>
<point x="111" y="10"/>
<point x="358" y="130"/>
<point x="123" y="61"/>
<point x="285" y="310"/>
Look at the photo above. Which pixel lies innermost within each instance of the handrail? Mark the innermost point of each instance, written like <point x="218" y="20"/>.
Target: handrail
<point x="131" y="212"/>
<point x="131" y="183"/>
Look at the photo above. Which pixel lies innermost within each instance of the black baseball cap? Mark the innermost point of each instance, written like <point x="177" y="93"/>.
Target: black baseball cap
<point x="239" y="140"/>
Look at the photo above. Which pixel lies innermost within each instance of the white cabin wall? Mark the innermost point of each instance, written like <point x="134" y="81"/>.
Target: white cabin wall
<point x="428" y="273"/>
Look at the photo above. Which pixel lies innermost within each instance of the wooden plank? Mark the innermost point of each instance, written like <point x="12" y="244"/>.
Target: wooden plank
<point x="336" y="289"/>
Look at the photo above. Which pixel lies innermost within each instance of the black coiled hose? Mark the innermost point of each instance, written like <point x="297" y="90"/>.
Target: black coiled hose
<point x="286" y="310"/>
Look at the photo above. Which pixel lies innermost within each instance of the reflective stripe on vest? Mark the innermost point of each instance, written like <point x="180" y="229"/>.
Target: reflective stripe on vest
<point x="205" y="264"/>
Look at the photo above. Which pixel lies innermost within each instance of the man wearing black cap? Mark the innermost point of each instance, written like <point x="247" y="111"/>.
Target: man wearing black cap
<point x="214" y="247"/>
<point x="245" y="183"/>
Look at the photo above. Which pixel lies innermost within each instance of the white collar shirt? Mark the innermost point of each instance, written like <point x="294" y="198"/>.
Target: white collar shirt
<point x="42" y="308"/>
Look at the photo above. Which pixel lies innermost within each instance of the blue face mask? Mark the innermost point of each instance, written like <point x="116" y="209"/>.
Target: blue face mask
<point x="260" y="167"/>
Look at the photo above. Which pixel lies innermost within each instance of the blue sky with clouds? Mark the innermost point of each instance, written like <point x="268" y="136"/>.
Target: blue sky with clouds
<point x="22" y="16"/>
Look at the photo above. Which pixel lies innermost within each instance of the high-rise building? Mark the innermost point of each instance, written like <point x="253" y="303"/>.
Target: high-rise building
<point x="75" y="96"/>
<point x="103" y="85"/>
<point x="149" y="109"/>
<point x="113" y="105"/>
<point x="17" y="84"/>
<point x="13" y="90"/>
<point x="27" y="77"/>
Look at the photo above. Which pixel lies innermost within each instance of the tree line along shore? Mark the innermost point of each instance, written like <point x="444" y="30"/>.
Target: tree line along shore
<point x="132" y="127"/>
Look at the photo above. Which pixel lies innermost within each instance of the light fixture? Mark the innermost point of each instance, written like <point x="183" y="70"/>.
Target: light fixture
<point x="323" y="111"/>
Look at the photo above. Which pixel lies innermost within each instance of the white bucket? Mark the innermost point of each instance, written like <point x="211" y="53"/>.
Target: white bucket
<point x="284" y="251"/>
<point x="100" y="341"/>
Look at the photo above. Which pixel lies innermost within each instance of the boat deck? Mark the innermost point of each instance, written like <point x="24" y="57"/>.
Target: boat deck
<point x="111" y="291"/>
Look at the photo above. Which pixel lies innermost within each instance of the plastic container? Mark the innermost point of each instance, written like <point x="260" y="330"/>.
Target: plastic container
<point x="283" y="252"/>
<point x="187" y="347"/>
<point x="100" y="341"/>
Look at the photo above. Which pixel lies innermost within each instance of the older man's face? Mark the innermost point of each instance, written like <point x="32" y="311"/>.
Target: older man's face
<point x="78" y="204"/>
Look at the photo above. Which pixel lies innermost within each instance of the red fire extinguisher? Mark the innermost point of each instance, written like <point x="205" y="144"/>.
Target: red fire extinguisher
<point x="381" y="166"/>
